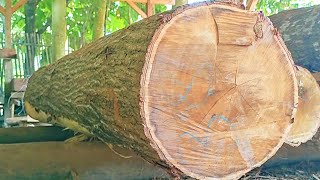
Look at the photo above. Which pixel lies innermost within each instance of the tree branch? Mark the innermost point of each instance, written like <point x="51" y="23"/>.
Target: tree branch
<point x="251" y="4"/>
<point x="44" y="28"/>
<point x="135" y="7"/>
<point x="18" y="5"/>
<point x="2" y="10"/>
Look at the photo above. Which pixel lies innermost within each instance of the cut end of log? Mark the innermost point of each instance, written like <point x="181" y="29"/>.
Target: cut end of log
<point x="317" y="77"/>
<point x="212" y="104"/>
<point x="307" y="121"/>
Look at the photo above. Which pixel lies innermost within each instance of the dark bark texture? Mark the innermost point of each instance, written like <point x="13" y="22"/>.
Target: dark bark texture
<point x="99" y="86"/>
<point x="300" y="29"/>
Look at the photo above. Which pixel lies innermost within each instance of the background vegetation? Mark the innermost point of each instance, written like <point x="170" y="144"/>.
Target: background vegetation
<point x="35" y="18"/>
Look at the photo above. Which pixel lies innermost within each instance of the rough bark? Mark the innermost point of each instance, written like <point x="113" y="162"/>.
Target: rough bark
<point x="59" y="28"/>
<point x="117" y="93"/>
<point x="300" y="29"/>
<point x="98" y="22"/>
<point x="122" y="87"/>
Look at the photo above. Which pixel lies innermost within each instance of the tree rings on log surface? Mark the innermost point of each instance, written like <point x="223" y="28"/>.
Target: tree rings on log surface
<point x="219" y="91"/>
<point x="307" y="119"/>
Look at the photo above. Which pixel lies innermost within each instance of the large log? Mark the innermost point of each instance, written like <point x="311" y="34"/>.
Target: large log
<point x="300" y="29"/>
<point x="307" y="119"/>
<point x="192" y="90"/>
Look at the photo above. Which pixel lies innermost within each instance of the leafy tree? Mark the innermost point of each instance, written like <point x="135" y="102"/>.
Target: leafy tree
<point x="274" y="6"/>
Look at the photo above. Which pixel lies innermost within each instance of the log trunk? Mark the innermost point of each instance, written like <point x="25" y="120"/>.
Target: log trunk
<point x="192" y="90"/>
<point x="300" y="29"/>
<point x="307" y="119"/>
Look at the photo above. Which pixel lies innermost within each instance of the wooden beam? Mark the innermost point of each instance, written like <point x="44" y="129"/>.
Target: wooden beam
<point x="7" y="26"/>
<point x="19" y="84"/>
<point x="169" y="2"/>
<point x="8" y="53"/>
<point x="150" y="8"/>
<point x="251" y="4"/>
<point x="7" y="63"/>
<point x="18" y="5"/>
<point x="135" y="7"/>
<point x="2" y="10"/>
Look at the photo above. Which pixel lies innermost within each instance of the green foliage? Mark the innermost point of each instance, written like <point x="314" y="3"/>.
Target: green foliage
<point x="80" y="22"/>
<point x="79" y="18"/>
<point x="43" y="15"/>
<point x="120" y="16"/>
<point x="274" y="6"/>
<point x="80" y="14"/>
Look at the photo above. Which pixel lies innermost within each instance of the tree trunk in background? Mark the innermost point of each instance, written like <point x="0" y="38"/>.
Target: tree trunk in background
<point x="184" y="89"/>
<point x="180" y="3"/>
<point x="106" y="16"/>
<point x="300" y="29"/>
<point x="99" y="19"/>
<point x="48" y="23"/>
<point x="87" y="23"/>
<point x="59" y="30"/>
<point x="30" y="20"/>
